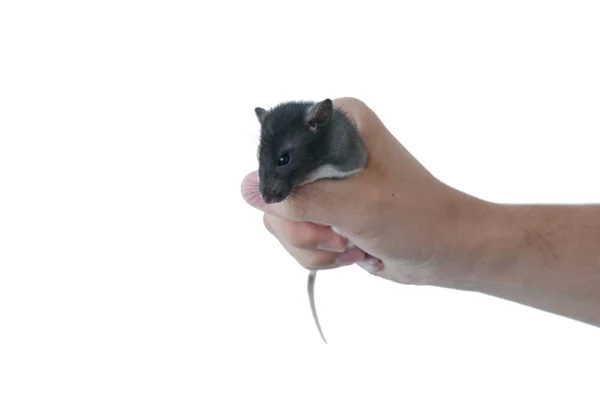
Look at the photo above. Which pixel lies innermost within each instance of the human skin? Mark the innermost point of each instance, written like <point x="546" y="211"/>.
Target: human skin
<point x="428" y="233"/>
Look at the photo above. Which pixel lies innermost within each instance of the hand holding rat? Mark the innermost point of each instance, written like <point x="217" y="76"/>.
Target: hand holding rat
<point x="425" y="232"/>
<point x="394" y="210"/>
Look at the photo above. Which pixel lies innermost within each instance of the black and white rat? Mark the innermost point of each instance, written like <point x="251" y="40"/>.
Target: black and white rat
<point x="302" y="142"/>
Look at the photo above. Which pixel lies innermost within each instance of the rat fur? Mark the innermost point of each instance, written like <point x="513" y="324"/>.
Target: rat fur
<point x="302" y="142"/>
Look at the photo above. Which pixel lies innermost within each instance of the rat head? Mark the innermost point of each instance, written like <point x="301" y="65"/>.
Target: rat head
<point x="292" y="145"/>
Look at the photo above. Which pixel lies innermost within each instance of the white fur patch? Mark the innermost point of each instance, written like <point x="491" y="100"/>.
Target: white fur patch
<point x="327" y="172"/>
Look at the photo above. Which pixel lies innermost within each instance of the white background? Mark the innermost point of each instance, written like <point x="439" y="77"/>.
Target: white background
<point x="130" y="266"/>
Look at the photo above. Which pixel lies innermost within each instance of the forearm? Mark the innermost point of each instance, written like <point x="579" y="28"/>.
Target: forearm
<point x="543" y="256"/>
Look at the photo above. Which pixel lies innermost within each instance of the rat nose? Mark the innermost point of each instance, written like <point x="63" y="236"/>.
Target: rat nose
<point x="273" y="194"/>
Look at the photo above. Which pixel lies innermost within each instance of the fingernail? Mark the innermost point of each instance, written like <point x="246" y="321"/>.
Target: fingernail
<point x="350" y="257"/>
<point x="332" y="245"/>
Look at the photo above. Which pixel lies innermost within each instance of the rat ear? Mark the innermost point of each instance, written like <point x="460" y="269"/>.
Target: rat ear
<point x="319" y="114"/>
<point x="261" y="113"/>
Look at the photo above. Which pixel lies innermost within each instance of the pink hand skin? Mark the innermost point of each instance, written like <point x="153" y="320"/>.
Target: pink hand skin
<point x="327" y="247"/>
<point x="424" y="232"/>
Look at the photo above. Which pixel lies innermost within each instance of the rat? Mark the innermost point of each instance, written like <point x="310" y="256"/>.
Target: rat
<point x="302" y="142"/>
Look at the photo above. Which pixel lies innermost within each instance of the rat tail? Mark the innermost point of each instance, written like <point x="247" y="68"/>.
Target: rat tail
<point x="312" y="276"/>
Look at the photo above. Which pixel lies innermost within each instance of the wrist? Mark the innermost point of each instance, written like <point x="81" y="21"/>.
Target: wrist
<point x="475" y="233"/>
<point x="542" y="256"/>
<point x="493" y="246"/>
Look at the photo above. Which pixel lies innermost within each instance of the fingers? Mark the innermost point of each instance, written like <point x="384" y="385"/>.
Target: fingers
<point x="305" y="235"/>
<point x="313" y="246"/>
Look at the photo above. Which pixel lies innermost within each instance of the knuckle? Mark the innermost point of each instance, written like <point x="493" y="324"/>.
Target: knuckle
<point x="315" y="260"/>
<point x="299" y="236"/>
<point x="351" y="99"/>
<point x="358" y="102"/>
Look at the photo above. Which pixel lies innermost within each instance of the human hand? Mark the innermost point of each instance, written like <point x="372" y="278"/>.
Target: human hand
<point x="394" y="210"/>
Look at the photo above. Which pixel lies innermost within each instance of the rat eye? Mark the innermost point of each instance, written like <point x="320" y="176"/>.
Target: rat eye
<point x="284" y="159"/>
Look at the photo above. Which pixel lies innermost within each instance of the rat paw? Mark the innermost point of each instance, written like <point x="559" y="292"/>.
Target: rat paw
<point x="371" y="264"/>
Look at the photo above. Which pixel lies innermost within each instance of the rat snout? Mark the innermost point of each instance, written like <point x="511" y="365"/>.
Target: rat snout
<point x="274" y="192"/>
